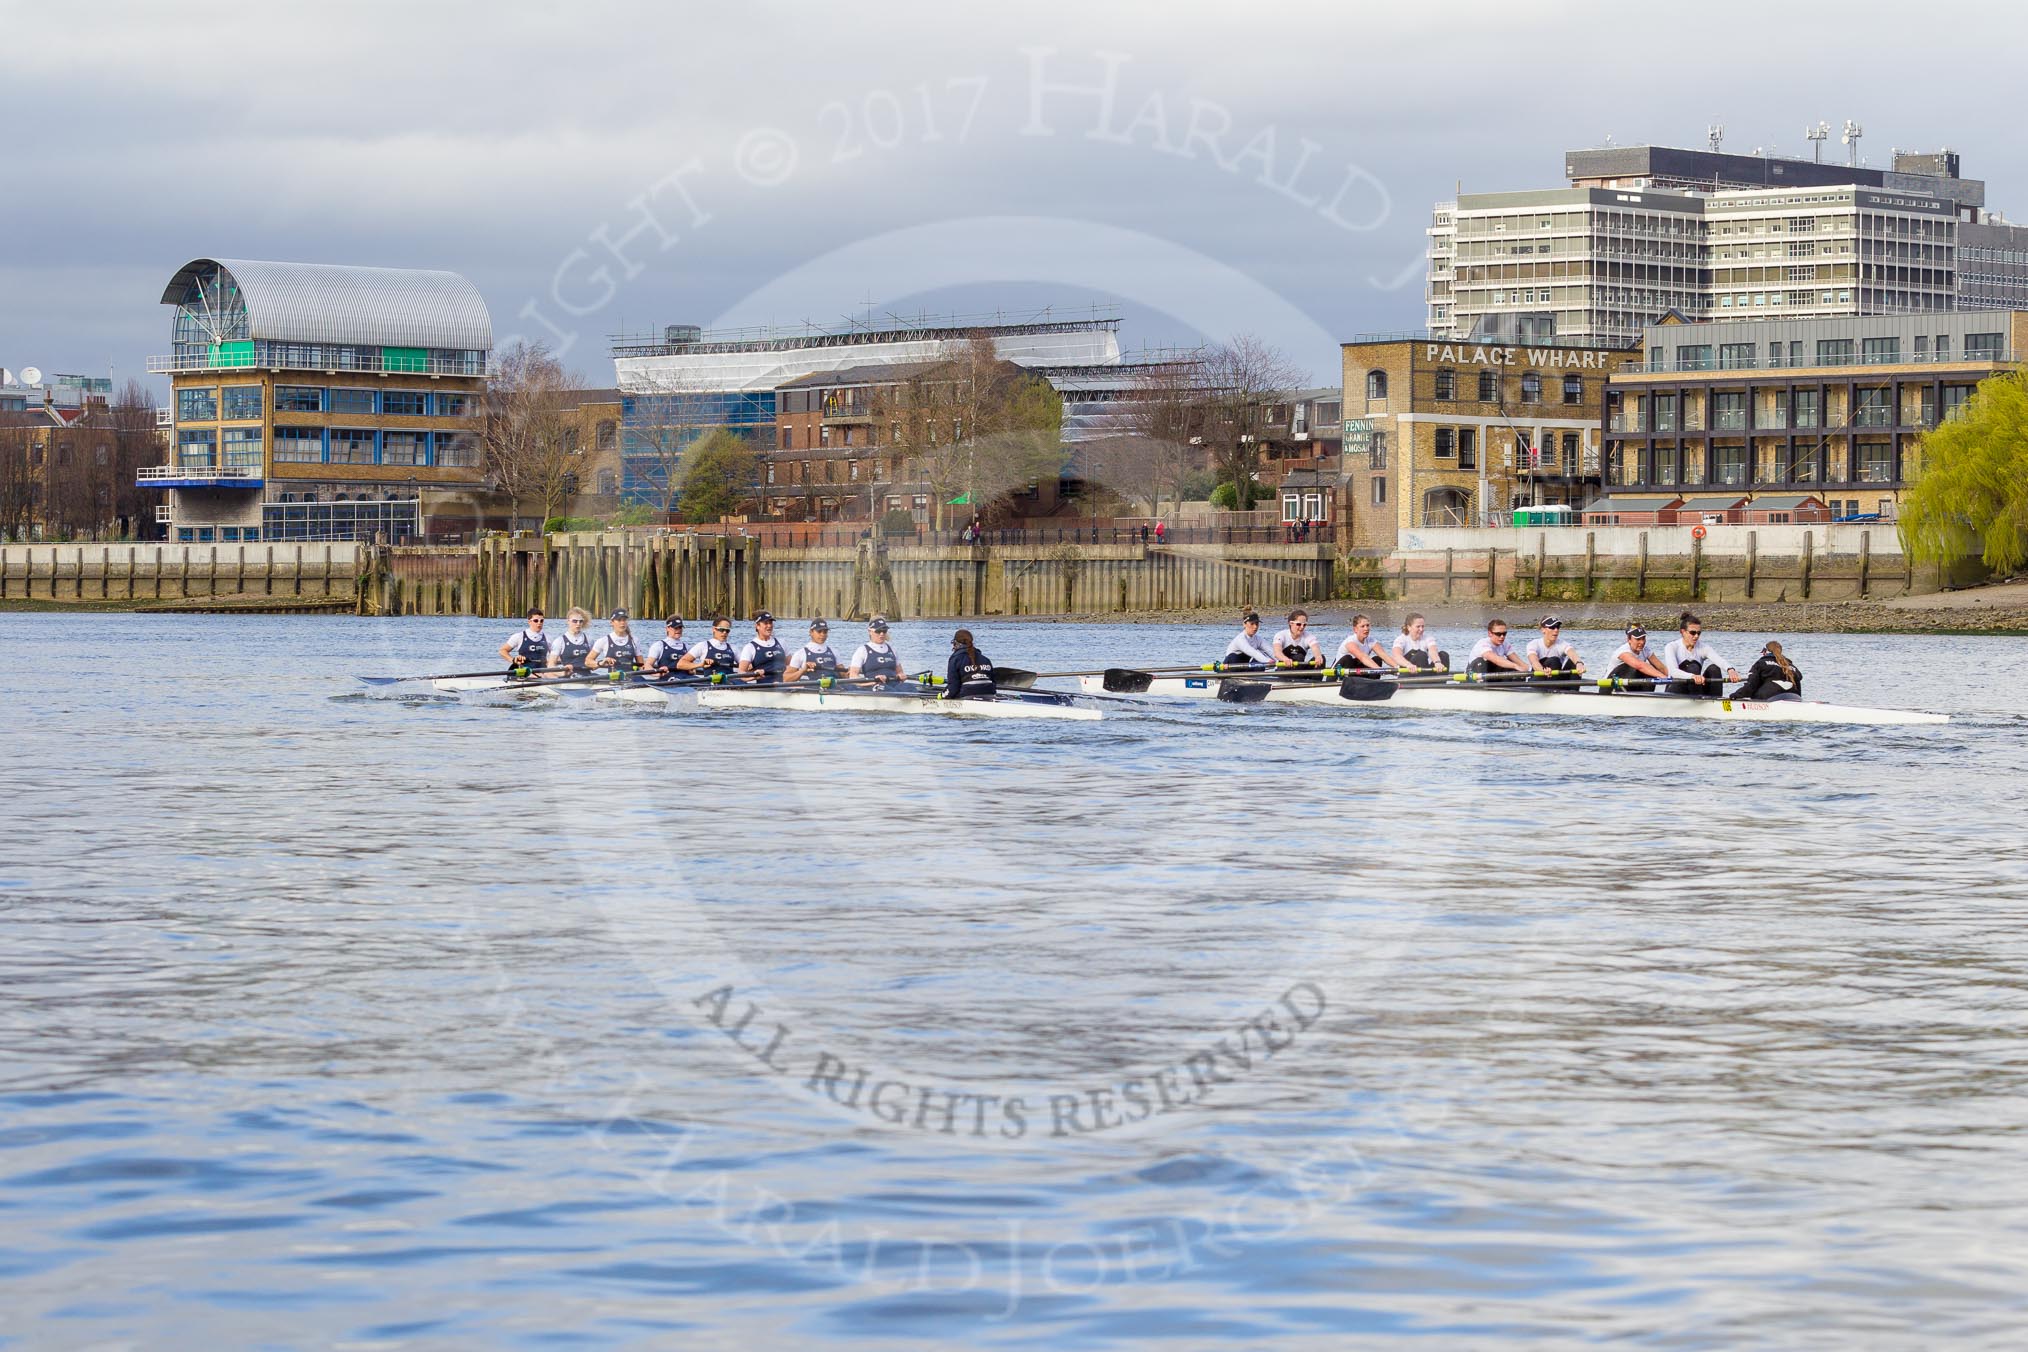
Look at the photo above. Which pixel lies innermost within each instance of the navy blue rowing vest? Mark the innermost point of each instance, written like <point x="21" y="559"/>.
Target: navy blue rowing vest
<point x="574" y="653"/>
<point x="880" y="664"/>
<point x="532" y="653"/>
<point x="720" y="656"/>
<point x="621" y="650"/>
<point x="770" y="659"/>
<point x="824" y="663"/>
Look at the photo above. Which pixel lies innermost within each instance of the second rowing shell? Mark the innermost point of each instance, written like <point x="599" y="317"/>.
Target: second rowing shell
<point x="495" y="687"/>
<point x="1505" y="699"/>
<point x="881" y="702"/>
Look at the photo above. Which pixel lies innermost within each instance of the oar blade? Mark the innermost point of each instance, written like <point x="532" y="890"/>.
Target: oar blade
<point x="1365" y="689"/>
<point x="1124" y="681"/>
<point x="1014" y="678"/>
<point x="1243" y="692"/>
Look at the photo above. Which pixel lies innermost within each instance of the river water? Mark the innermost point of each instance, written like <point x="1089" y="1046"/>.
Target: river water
<point x="328" y="1016"/>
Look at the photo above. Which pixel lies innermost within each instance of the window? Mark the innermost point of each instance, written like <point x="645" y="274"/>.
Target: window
<point x="457" y="449"/>
<point x="1804" y="470"/>
<point x="1447" y="384"/>
<point x="605" y="437"/>
<point x="1731" y="465"/>
<point x="1735" y="356"/>
<point x="1943" y="347"/>
<point x="299" y="399"/>
<point x="1570" y="453"/>
<point x="1573" y="389"/>
<point x="1380" y="492"/>
<point x="1984" y="346"/>
<point x="299" y="445"/>
<point x="1377" y="457"/>
<point x="788" y="438"/>
<point x="1446" y="442"/>
<point x="1376" y="384"/>
<point x="459" y="405"/>
<point x="1694" y="357"/>
<point x="351" y="446"/>
<point x="1665" y="413"/>
<point x="1808" y="408"/>
<point x="1531" y="388"/>
<point x="1922" y="347"/>
<point x="1728" y="411"/>
<point x="1489" y="387"/>
<point x="404" y="448"/>
<point x="242" y="403"/>
<point x="196" y="450"/>
<point x="1875" y="462"/>
<point x="242" y="447"/>
<point x="404" y="403"/>
<point x="228" y="535"/>
<point x="1955" y="397"/>
<point x="1468" y="448"/>
<point x="1873" y="409"/>
<point x="351" y="401"/>
<point x="1834" y="352"/>
<point x="609" y="482"/>
<point x="197" y="406"/>
<point x="1880" y="351"/>
<point x="1665" y="465"/>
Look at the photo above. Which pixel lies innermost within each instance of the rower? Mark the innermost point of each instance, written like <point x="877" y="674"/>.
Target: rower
<point x="1494" y="653"/>
<point x="1772" y="676"/>
<point x="1247" y="648"/>
<point x="1295" y="646"/>
<point x="665" y="658"/>
<point x="1359" y="652"/>
<point x="970" y="672"/>
<point x="573" y="646"/>
<point x="1692" y="666"/>
<point x="763" y="657"/>
<point x="715" y="655"/>
<point x="816" y="656"/>
<point x="616" y="649"/>
<point x="1636" y="660"/>
<point x="1549" y="655"/>
<point x="531" y="650"/>
<point x="874" y="658"/>
<point x="1416" y="647"/>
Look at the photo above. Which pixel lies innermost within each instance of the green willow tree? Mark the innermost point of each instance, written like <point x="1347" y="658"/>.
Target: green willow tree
<point x="1970" y="495"/>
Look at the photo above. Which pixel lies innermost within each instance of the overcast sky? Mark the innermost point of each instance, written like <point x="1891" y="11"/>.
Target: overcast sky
<point x="1197" y="169"/>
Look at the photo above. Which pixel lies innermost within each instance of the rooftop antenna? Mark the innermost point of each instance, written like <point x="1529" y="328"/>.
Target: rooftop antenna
<point x="1715" y="134"/>
<point x="1853" y="131"/>
<point x="1816" y="136"/>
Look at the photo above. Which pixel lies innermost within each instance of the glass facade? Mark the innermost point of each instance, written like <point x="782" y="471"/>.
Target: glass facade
<point x="656" y="429"/>
<point x="242" y="403"/>
<point x="356" y="519"/>
<point x="196" y="405"/>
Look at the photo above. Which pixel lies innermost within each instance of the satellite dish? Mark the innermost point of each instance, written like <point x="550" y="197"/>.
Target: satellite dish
<point x="31" y="375"/>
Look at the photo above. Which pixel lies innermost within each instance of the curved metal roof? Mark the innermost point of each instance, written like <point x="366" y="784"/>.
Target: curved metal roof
<point x="328" y="303"/>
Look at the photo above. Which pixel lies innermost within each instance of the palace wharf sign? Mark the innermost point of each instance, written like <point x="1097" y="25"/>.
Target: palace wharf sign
<point x="1548" y="358"/>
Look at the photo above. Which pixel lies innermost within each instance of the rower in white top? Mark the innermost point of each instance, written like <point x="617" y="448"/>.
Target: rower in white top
<point x="665" y="657"/>
<point x="715" y="656"/>
<point x="1494" y="653"/>
<point x="530" y="651"/>
<point x="615" y="650"/>
<point x="1550" y="655"/>
<point x="1416" y="647"/>
<point x="815" y="658"/>
<point x="1247" y="647"/>
<point x="1295" y="646"/>
<point x="572" y="648"/>
<point x="1636" y="660"/>
<point x="1359" y="653"/>
<point x="762" y="658"/>
<point x="876" y="658"/>
<point x="1693" y="667"/>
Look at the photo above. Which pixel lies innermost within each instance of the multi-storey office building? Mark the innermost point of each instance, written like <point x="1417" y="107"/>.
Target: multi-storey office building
<point x="1832" y="407"/>
<point x="677" y="387"/>
<point x="316" y="402"/>
<point x="1643" y="231"/>
<point x="1439" y="433"/>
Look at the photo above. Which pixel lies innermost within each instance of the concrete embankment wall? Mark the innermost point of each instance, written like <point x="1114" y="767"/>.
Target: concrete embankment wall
<point x="1659" y="563"/>
<point x="315" y="573"/>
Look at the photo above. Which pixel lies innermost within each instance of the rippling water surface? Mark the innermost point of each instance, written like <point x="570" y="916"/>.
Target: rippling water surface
<point x="328" y="1016"/>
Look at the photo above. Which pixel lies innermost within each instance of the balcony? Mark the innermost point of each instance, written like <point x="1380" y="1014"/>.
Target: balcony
<point x="235" y="473"/>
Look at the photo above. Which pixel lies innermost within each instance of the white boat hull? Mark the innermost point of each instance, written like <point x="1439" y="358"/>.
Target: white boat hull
<point x="1499" y="699"/>
<point x="494" y="687"/>
<point x="829" y="701"/>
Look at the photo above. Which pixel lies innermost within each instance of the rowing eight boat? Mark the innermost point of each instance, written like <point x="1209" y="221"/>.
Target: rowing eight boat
<point x="1515" y="699"/>
<point x="1008" y="704"/>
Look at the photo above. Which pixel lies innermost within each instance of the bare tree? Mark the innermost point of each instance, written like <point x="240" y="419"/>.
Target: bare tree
<point x="525" y="430"/>
<point x="974" y="427"/>
<point x="1237" y="382"/>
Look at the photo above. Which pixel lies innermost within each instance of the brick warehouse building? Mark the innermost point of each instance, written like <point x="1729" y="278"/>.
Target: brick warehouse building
<point x="1831" y="407"/>
<point x="1444" y="433"/>
<point x="317" y="402"/>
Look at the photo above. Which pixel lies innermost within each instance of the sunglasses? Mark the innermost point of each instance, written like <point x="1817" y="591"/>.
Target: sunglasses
<point x="1694" y="633"/>
<point x="722" y="631"/>
<point x="1499" y="633"/>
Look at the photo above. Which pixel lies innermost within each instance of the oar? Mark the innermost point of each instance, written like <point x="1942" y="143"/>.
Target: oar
<point x="1364" y="690"/>
<point x="506" y="673"/>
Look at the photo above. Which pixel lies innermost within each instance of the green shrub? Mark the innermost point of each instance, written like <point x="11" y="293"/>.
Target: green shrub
<point x="1226" y="496"/>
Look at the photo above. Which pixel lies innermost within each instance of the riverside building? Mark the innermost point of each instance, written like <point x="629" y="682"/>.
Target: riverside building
<point x="1444" y="433"/>
<point x="319" y="402"/>
<point x="1831" y="407"/>
<point x="1639" y="232"/>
